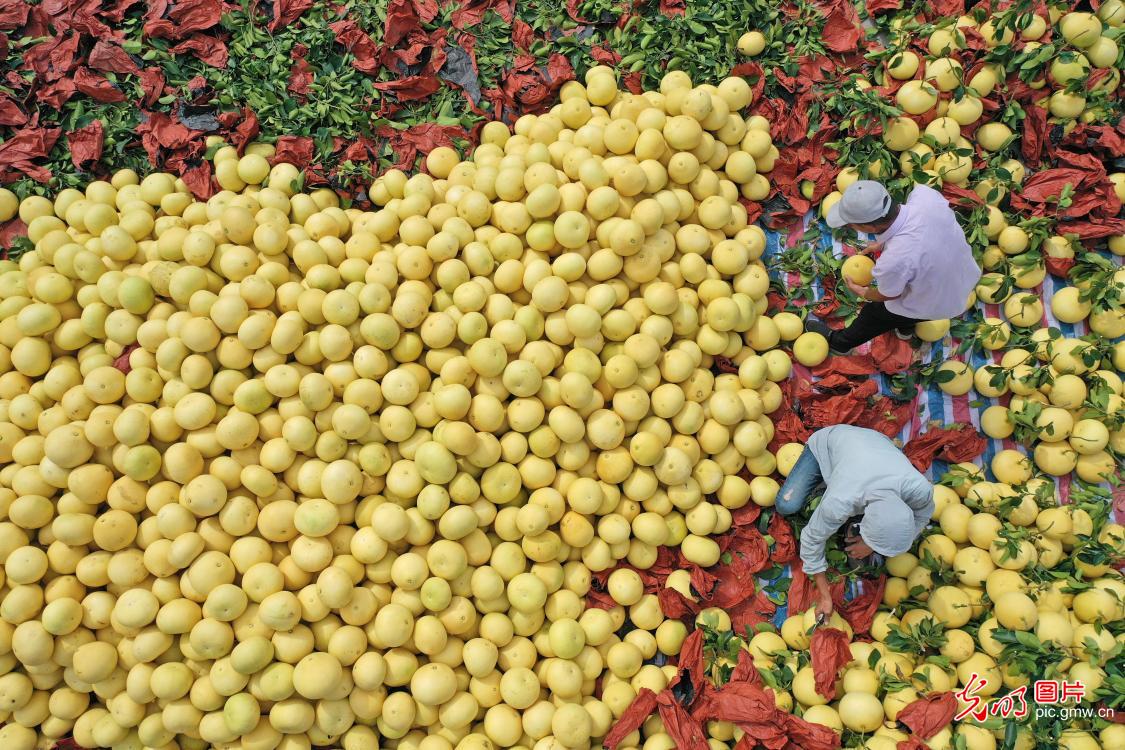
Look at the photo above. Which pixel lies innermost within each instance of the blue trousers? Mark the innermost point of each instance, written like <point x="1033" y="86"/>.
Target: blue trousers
<point x="800" y="485"/>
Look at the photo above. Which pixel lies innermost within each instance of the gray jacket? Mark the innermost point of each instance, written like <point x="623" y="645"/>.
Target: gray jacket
<point x="865" y="475"/>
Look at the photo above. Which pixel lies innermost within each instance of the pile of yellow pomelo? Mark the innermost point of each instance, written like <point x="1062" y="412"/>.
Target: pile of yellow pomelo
<point x="277" y="473"/>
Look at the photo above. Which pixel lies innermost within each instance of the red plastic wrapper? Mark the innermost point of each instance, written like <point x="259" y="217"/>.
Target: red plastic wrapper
<point x="830" y="653"/>
<point x="954" y="444"/>
<point x="86" y="144"/>
<point x="929" y="715"/>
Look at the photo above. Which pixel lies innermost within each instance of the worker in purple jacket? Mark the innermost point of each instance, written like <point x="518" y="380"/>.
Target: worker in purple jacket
<point x="926" y="270"/>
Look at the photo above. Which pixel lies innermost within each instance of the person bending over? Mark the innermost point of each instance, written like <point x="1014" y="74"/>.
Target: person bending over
<point x="925" y="272"/>
<point x="870" y="486"/>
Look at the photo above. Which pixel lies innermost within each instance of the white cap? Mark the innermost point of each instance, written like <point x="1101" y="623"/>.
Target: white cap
<point x="864" y="202"/>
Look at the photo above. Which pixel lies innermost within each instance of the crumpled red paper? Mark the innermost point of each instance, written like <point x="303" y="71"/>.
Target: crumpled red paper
<point x="911" y="743"/>
<point x="110" y="58"/>
<point x="10" y="230"/>
<point x="86" y="144"/>
<point x="631" y="718"/>
<point x="420" y="139"/>
<point x="356" y="41"/>
<point x="930" y="714"/>
<point x="54" y="58"/>
<point x="286" y="12"/>
<point x="95" y="86"/>
<point x="1085" y="176"/>
<point x="754" y="711"/>
<point x="672" y="8"/>
<point x="205" y="48"/>
<point x="891" y="354"/>
<point x="1034" y="135"/>
<point x="684" y="729"/>
<point x="160" y="131"/>
<point x="878" y="6"/>
<point x="472" y="12"/>
<point x="802" y="592"/>
<point x="295" y="149"/>
<point x="243" y="127"/>
<point x="784" y="543"/>
<point x="829" y="650"/>
<point x="841" y="31"/>
<point x="10" y="112"/>
<point x="745" y="671"/>
<point x="955" y="444"/>
<point x="181" y="18"/>
<point x="13" y="14"/>
<point x="860" y="611"/>
<point x="18" y="153"/>
<point x="301" y="75"/>
<point x="1059" y="267"/>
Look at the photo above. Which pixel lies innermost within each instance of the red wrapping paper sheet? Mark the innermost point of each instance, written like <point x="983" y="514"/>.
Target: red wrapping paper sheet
<point x="632" y="718"/>
<point x="891" y="354"/>
<point x="10" y="231"/>
<point x="954" y="444"/>
<point x="929" y="715"/>
<point x="911" y="743"/>
<point x="18" y="153"/>
<point x="860" y="611"/>
<point x="86" y="144"/>
<point x="830" y="653"/>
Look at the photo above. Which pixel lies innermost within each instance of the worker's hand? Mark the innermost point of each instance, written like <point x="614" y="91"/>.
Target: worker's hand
<point x="872" y="247"/>
<point x="857" y="549"/>
<point x="824" y="608"/>
<point x="859" y="291"/>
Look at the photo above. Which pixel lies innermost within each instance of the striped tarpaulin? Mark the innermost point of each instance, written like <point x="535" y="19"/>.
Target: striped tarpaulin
<point x="933" y="404"/>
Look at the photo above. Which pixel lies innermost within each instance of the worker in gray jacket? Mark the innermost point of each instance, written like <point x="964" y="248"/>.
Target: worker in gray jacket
<point x="869" y="483"/>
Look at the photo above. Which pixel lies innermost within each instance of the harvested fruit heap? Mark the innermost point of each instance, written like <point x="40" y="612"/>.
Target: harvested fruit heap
<point x="277" y="469"/>
<point x="490" y="464"/>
